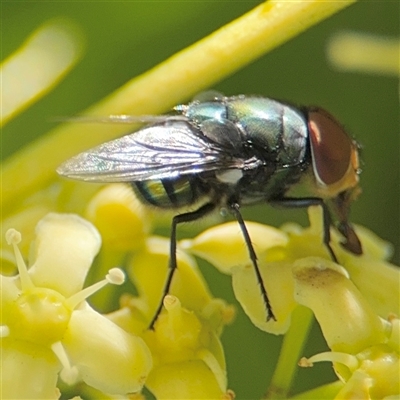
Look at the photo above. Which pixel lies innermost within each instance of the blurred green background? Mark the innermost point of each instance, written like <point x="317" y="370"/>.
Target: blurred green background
<point x="124" y="39"/>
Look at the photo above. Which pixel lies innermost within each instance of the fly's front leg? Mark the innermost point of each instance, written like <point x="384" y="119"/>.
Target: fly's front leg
<point x="305" y="202"/>
<point x="187" y="217"/>
<point x="341" y="206"/>
<point x="234" y="207"/>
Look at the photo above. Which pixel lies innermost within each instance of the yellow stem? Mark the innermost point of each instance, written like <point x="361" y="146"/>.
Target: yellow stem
<point x="179" y="77"/>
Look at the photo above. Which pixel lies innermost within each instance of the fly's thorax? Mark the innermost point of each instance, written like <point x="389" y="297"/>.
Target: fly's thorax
<point x="272" y="127"/>
<point x="268" y="184"/>
<point x="259" y="126"/>
<point x="198" y="112"/>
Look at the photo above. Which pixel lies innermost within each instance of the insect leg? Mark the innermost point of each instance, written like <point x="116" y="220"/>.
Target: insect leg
<point x="305" y="202"/>
<point x="187" y="217"/>
<point x="342" y="204"/>
<point x="235" y="210"/>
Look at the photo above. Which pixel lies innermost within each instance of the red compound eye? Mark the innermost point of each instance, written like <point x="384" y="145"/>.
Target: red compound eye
<point x="331" y="147"/>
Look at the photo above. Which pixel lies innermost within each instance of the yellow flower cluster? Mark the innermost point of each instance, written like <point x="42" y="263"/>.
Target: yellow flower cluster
<point x="49" y="327"/>
<point x="187" y="353"/>
<point x="47" y="324"/>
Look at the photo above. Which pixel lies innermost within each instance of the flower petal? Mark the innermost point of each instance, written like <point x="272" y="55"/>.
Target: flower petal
<point x="9" y="290"/>
<point x="278" y="281"/>
<point x="121" y="219"/>
<point x="28" y="371"/>
<point x="149" y="270"/>
<point x="224" y="245"/>
<point x="347" y="320"/>
<point x="185" y="380"/>
<point x="64" y="249"/>
<point x="378" y="281"/>
<point x="107" y="357"/>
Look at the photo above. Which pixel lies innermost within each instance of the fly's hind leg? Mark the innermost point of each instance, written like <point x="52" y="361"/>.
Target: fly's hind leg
<point x="178" y="219"/>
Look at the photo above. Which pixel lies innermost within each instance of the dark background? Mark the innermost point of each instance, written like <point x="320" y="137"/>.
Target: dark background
<point x="124" y="39"/>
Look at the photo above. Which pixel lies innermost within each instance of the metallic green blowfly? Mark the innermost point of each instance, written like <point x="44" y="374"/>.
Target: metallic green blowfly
<point x="228" y="152"/>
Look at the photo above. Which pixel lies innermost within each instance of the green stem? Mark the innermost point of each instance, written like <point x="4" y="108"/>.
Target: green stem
<point x="290" y="354"/>
<point x="325" y="392"/>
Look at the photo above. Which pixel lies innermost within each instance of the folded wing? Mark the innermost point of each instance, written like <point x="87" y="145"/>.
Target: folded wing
<point x="165" y="150"/>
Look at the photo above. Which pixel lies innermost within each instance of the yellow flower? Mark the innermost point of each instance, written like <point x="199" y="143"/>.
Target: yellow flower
<point x="47" y="326"/>
<point x="296" y="270"/>
<point x="189" y="361"/>
<point x="187" y="352"/>
<point x="277" y="251"/>
<point x="365" y="347"/>
<point x="185" y="345"/>
<point x="120" y="218"/>
<point x="224" y="247"/>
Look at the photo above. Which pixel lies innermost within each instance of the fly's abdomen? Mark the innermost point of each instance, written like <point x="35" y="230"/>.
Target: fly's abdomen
<point x="168" y="193"/>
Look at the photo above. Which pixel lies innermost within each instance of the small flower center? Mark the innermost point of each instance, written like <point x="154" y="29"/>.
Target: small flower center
<point x="39" y="315"/>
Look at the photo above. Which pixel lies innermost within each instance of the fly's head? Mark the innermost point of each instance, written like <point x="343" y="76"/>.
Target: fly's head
<point x="336" y="170"/>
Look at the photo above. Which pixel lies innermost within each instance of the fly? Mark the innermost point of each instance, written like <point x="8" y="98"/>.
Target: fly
<point x="230" y="152"/>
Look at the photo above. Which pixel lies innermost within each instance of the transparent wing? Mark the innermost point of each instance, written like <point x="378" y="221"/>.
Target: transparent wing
<point x="164" y="150"/>
<point x="119" y="119"/>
